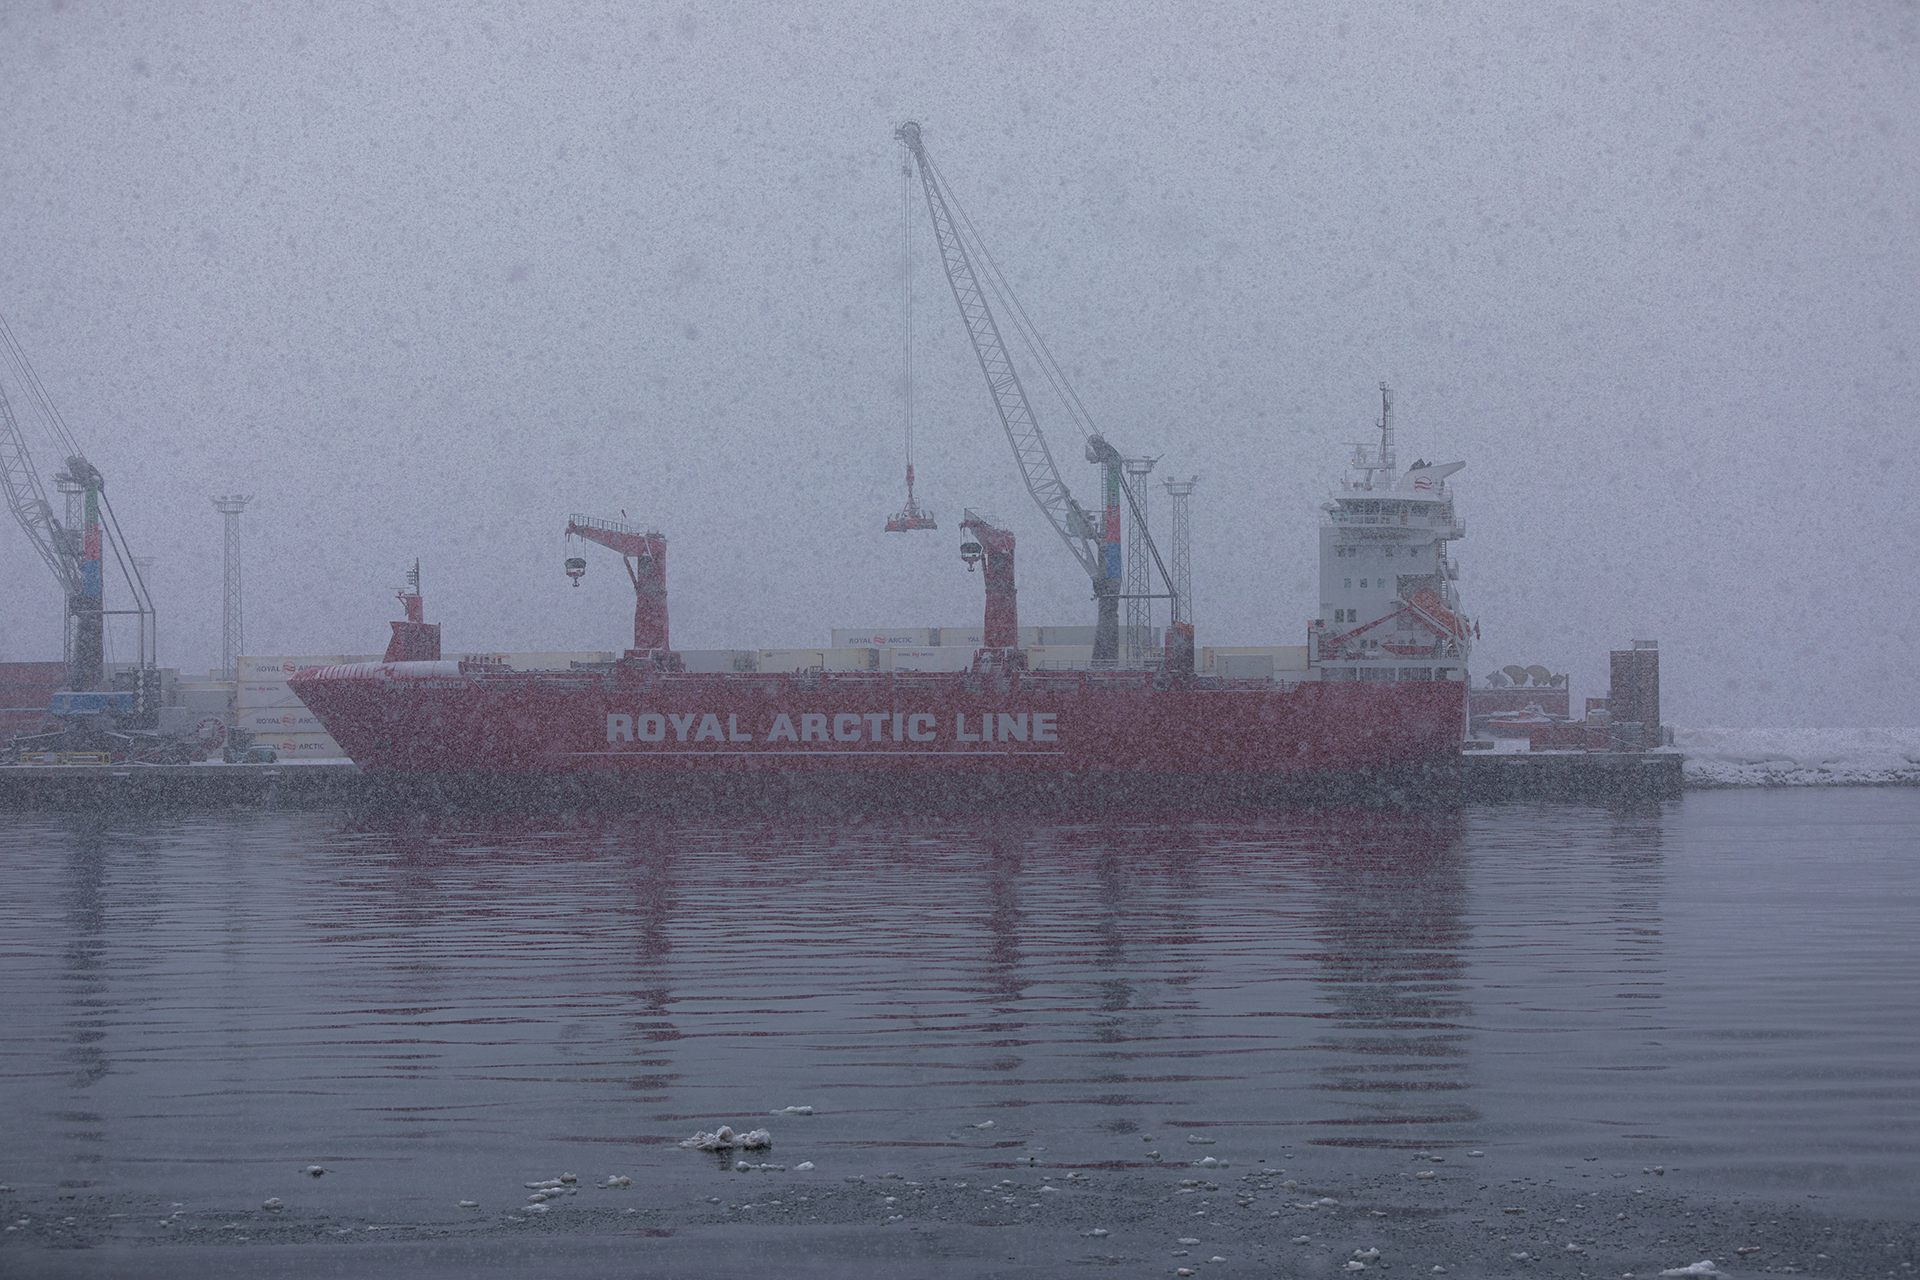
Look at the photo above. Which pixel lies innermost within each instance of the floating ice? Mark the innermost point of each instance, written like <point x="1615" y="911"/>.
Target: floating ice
<point x="1366" y="1255"/>
<point x="1799" y="757"/>
<point x="791" y="1111"/>
<point x="1704" y="1267"/>
<point x="536" y="1208"/>
<point x="313" y="1171"/>
<point x="1356" y="1266"/>
<point x="1476" y="1153"/>
<point x="1206" y="1162"/>
<point x="1199" y="1141"/>
<point x="569" y="1177"/>
<point x="984" y="1124"/>
<point x="1425" y="1173"/>
<point x="725" y="1139"/>
<point x="806" y="1166"/>
<point x="1096" y="1233"/>
<point x="273" y="1203"/>
<point x="469" y="1204"/>
<point x="617" y="1180"/>
<point x="1189" y="1240"/>
<point x="1302" y="1239"/>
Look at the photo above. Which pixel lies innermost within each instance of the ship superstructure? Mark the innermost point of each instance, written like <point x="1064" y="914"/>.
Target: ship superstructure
<point x="1389" y="606"/>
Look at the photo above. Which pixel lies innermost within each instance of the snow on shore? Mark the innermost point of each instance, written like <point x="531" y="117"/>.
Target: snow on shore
<point x="1800" y="757"/>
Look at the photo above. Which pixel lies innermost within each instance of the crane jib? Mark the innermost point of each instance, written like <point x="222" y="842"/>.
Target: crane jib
<point x="1037" y="468"/>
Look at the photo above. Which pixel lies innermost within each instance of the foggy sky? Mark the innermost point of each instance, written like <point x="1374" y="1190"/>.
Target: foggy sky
<point x="426" y="280"/>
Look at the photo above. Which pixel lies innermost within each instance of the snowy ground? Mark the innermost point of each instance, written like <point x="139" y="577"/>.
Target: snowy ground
<point x="1800" y="757"/>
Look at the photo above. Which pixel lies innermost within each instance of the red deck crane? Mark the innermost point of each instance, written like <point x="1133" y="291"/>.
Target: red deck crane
<point x="993" y="548"/>
<point x="645" y="556"/>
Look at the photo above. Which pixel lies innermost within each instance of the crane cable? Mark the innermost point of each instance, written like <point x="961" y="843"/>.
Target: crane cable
<point x="906" y="249"/>
<point x="1029" y="333"/>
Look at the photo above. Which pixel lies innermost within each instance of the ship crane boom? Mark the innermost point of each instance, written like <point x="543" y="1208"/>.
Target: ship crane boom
<point x="1094" y="543"/>
<point x="1030" y="452"/>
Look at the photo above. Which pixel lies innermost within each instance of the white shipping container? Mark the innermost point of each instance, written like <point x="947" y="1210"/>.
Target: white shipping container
<point x="301" y="746"/>
<point x="1244" y="666"/>
<point x="791" y="659"/>
<point x="1286" y="657"/>
<point x="1059" y="657"/>
<point x="206" y="702"/>
<point x="958" y="637"/>
<point x="882" y="637"/>
<point x="280" y="720"/>
<point x="550" y="661"/>
<point x="941" y="658"/>
<point x="710" y="661"/>
<point x="852" y="659"/>
<point x="267" y="669"/>
<point x="258" y="694"/>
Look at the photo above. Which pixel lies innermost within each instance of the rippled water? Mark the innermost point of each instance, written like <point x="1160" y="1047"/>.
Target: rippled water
<point x="1727" y="986"/>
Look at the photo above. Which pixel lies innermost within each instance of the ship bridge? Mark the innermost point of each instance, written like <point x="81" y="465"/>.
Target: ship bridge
<point x="1389" y="607"/>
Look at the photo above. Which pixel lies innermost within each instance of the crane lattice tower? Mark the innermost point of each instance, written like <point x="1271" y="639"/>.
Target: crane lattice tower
<point x="1139" y="575"/>
<point x="1181" y="491"/>
<point x="232" y="632"/>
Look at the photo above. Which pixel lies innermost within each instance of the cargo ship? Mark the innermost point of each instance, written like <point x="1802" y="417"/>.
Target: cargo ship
<point x="1377" y="696"/>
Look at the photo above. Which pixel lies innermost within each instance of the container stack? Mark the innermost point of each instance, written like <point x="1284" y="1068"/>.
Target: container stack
<point x="266" y="707"/>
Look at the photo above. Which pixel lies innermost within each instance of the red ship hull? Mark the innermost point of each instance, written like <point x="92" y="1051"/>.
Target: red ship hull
<point x="432" y="718"/>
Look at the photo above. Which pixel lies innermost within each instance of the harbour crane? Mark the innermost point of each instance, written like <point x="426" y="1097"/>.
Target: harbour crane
<point x="1094" y="542"/>
<point x="73" y="546"/>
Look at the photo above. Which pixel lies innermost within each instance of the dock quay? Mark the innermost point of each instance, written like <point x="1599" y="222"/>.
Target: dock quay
<point x="1479" y="778"/>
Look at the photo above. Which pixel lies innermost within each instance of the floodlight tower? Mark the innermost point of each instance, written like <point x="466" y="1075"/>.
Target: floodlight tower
<point x="1181" y="491"/>
<point x="1139" y="581"/>
<point x="232" y="636"/>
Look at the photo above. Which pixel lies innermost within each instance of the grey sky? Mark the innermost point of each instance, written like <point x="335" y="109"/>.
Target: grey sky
<point x="425" y="280"/>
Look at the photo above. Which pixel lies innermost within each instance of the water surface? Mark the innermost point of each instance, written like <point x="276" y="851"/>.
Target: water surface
<point x="1725" y="986"/>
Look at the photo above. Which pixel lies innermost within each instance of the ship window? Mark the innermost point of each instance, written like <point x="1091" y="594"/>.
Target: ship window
<point x="1347" y="582"/>
<point x="1363" y="583"/>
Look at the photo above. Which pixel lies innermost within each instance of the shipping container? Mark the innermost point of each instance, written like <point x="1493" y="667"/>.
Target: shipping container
<point x="301" y="746"/>
<point x="280" y="720"/>
<point x="956" y="637"/>
<point x="539" y="661"/>
<point x="208" y="699"/>
<point x="791" y="659"/>
<point x="552" y="661"/>
<point x="882" y="637"/>
<point x="1285" y="657"/>
<point x="1059" y="657"/>
<point x="253" y="694"/>
<point x="936" y="658"/>
<point x="267" y="669"/>
<point x="711" y="661"/>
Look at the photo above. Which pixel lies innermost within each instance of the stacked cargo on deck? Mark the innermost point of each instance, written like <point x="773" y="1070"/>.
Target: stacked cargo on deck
<point x="265" y="706"/>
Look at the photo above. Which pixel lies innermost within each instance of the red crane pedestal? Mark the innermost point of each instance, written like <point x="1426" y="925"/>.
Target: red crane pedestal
<point x="645" y="555"/>
<point x="995" y="545"/>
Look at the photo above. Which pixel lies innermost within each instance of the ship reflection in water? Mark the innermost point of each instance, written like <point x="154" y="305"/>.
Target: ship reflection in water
<point x="448" y="1009"/>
